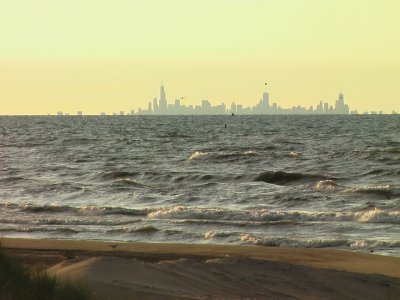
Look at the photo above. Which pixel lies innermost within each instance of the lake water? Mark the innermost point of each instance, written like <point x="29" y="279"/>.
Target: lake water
<point x="289" y="181"/>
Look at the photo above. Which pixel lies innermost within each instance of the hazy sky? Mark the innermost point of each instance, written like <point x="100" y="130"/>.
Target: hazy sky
<point x="103" y="55"/>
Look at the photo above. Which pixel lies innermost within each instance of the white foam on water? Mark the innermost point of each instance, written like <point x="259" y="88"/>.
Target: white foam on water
<point x="326" y="185"/>
<point x="198" y="155"/>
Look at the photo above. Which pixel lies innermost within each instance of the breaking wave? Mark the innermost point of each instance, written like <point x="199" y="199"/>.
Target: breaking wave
<point x="214" y="234"/>
<point x="326" y="185"/>
<point x="198" y="155"/>
<point x="220" y="216"/>
<point x="264" y="215"/>
<point x="317" y="243"/>
<point x="382" y="190"/>
<point x="385" y="191"/>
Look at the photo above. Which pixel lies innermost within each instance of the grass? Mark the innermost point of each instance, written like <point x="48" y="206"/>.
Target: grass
<point x="17" y="282"/>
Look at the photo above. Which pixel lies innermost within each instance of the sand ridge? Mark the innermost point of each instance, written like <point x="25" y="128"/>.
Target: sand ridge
<point x="223" y="278"/>
<point x="180" y="271"/>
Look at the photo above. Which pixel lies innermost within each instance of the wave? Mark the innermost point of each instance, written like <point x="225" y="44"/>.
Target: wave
<point x="35" y="208"/>
<point x="326" y="185"/>
<point x="115" y="175"/>
<point x="213" y="156"/>
<point x="12" y="179"/>
<point x="264" y="215"/>
<point x="129" y="182"/>
<point x="174" y="177"/>
<point x="210" y="178"/>
<point x="317" y="243"/>
<point x="113" y="211"/>
<point x="375" y="172"/>
<point x="362" y="244"/>
<point x="286" y="242"/>
<point x="390" y="154"/>
<point x="195" y="178"/>
<point x="143" y="229"/>
<point x="83" y="210"/>
<point x="68" y="221"/>
<point x="392" y="150"/>
<point x="214" y="234"/>
<point x="382" y="190"/>
<point x="182" y="212"/>
<point x="256" y="224"/>
<point x="63" y="230"/>
<point x="285" y="178"/>
<point x="36" y="187"/>
<point x="377" y="215"/>
<point x="48" y="208"/>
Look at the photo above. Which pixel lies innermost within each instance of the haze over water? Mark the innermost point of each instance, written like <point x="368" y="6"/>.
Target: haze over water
<point x="291" y="181"/>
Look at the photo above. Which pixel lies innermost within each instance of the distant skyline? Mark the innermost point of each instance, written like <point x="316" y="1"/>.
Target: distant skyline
<point x="161" y="106"/>
<point x="98" y="55"/>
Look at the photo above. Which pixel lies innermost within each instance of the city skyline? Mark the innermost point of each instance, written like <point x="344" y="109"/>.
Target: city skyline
<point x="160" y="106"/>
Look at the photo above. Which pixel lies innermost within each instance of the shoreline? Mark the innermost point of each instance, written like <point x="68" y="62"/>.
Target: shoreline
<point x="191" y="271"/>
<point x="340" y="260"/>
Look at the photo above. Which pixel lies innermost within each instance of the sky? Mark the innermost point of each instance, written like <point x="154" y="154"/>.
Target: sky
<point x="109" y="56"/>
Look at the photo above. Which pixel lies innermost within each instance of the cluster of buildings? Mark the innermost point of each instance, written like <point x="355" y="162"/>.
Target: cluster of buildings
<point x="162" y="107"/>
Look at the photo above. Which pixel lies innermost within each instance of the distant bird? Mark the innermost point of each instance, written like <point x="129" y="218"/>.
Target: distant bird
<point x="233" y="114"/>
<point x="265" y="83"/>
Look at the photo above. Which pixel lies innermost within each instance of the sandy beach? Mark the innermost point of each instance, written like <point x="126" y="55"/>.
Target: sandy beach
<point x="181" y="271"/>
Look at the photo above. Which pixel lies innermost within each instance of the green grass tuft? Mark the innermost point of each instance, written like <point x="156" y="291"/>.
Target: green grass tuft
<point x="17" y="282"/>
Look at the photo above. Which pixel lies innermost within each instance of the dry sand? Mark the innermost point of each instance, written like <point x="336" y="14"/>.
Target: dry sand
<point x="180" y="271"/>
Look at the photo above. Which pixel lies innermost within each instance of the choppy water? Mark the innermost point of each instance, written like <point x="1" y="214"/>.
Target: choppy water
<point x="293" y="181"/>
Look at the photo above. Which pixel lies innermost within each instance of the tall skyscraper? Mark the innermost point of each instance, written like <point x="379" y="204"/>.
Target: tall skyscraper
<point x="265" y="100"/>
<point x="163" y="101"/>
<point x="340" y="107"/>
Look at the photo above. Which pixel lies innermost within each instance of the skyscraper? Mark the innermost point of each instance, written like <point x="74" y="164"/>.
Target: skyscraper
<point x="265" y="100"/>
<point x="163" y="101"/>
<point x="233" y="107"/>
<point x="340" y="107"/>
<point x="155" y="106"/>
<point x="263" y="106"/>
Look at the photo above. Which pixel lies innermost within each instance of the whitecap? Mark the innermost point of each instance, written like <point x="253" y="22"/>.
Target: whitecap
<point x="198" y="155"/>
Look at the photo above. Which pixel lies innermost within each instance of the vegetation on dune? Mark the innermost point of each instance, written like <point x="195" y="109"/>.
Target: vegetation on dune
<point x="18" y="282"/>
